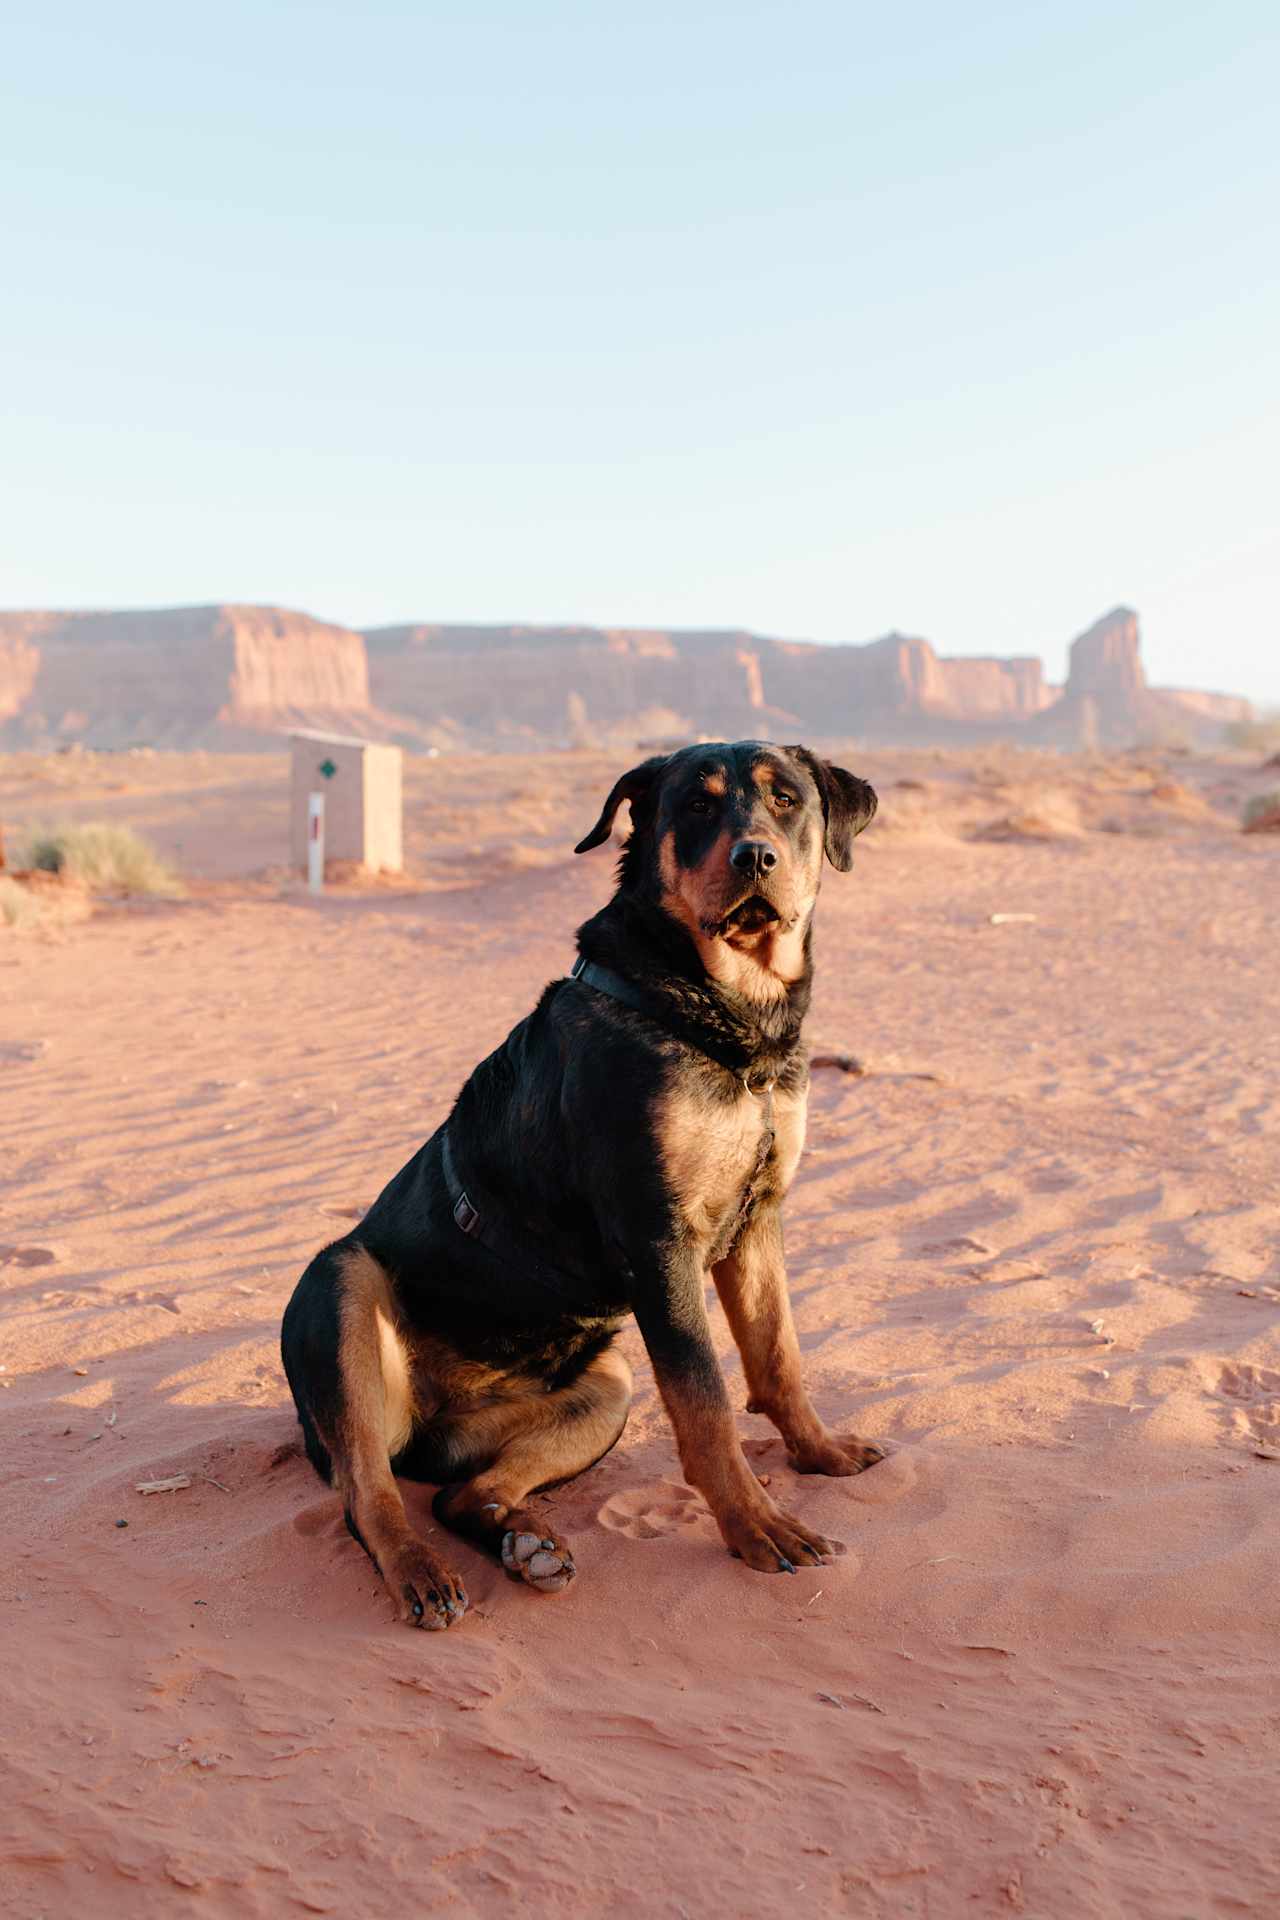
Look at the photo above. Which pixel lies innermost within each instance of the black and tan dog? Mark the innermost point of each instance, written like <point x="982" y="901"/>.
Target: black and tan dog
<point x="636" y="1132"/>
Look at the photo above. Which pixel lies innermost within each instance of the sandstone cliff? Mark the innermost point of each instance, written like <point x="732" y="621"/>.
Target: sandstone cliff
<point x="504" y="683"/>
<point x="19" y="664"/>
<point x="241" y="675"/>
<point x="1108" y="703"/>
<point x="289" y="661"/>
<point x="1106" y="660"/>
<point x="899" y="687"/>
<point x="1213" y="710"/>
<point x="182" y="676"/>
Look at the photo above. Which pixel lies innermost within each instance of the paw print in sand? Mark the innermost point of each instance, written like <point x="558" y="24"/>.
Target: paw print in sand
<point x="648" y="1513"/>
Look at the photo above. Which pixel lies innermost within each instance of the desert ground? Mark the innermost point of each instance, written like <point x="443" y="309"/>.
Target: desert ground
<point x="1034" y="1251"/>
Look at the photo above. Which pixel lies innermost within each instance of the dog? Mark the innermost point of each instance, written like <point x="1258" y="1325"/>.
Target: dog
<point x="635" y="1133"/>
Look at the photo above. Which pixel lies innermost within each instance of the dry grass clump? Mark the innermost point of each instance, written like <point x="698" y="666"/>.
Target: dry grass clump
<point x="18" y="907"/>
<point x="105" y="858"/>
<point x="60" y="867"/>
<point x="39" y="902"/>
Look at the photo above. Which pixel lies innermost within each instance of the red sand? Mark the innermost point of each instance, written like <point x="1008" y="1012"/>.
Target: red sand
<point x="1042" y="1679"/>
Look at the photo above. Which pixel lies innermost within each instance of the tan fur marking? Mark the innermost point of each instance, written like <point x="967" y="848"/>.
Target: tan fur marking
<point x="744" y="966"/>
<point x="752" y="1285"/>
<point x="536" y="1441"/>
<point x="359" y="1449"/>
<point x="443" y="1379"/>
<point x="713" y="1462"/>
<point x="562" y="1433"/>
<point x="708" y="1153"/>
<point x="764" y="964"/>
<point x="790" y="1119"/>
<point x="372" y="1356"/>
<point x="711" y="1454"/>
<point x="759" y="965"/>
<point x="397" y="1422"/>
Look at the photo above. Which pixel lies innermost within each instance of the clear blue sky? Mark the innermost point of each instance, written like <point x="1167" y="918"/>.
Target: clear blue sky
<point x="815" y="318"/>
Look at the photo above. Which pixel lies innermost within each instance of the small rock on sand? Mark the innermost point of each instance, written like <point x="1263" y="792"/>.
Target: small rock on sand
<point x="1262" y="813"/>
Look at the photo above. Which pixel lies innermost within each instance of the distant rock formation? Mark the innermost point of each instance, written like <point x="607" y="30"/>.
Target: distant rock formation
<point x="899" y="685"/>
<point x="182" y="676"/>
<point x="288" y="660"/>
<point x="1106" y="660"/>
<point x="238" y="675"/>
<point x="19" y="664"/>
<point x="1107" y="702"/>
<point x="505" y="685"/>
<point x="502" y="684"/>
<point x="1217" y="710"/>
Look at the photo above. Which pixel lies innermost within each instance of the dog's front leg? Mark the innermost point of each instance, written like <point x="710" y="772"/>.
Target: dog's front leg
<point x="752" y="1284"/>
<point x="673" y="1319"/>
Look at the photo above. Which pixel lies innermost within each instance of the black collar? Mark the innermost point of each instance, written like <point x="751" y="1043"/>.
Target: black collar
<point x="618" y="987"/>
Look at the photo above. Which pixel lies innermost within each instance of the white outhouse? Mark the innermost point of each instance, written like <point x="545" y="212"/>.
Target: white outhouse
<point x="363" y="805"/>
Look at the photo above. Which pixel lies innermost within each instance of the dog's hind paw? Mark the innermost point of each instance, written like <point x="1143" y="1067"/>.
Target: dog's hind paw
<point x="539" y="1559"/>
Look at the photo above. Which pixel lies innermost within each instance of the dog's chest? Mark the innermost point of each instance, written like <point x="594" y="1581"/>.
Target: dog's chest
<point x="720" y="1157"/>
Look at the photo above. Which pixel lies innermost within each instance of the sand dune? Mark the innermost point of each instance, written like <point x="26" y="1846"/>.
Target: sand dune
<point x="1033" y="1250"/>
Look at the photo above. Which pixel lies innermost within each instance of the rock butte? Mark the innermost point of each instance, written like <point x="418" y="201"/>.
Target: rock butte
<point x="233" y="676"/>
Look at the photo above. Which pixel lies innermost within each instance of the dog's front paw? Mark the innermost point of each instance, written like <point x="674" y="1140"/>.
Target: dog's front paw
<point x="838" y="1455"/>
<point x="425" y="1592"/>
<point x="773" y="1542"/>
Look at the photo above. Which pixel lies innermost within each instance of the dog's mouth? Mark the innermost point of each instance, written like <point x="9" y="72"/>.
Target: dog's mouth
<point x="751" y="915"/>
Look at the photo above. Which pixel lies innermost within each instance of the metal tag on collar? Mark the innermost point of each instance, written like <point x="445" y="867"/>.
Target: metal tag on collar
<point x="465" y="1214"/>
<point x="575" y="971"/>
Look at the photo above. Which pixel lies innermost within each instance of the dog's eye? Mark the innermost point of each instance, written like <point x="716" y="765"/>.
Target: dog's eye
<point x="781" y="799"/>
<point x="700" y="803"/>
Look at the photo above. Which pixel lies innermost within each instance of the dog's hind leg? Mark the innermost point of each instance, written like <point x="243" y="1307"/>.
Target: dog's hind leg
<point x="350" y="1376"/>
<point x="512" y="1448"/>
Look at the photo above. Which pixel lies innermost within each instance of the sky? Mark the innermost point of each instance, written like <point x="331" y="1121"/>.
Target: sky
<point x="818" y="319"/>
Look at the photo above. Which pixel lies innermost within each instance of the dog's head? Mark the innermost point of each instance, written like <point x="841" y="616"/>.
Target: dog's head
<point x="730" y="840"/>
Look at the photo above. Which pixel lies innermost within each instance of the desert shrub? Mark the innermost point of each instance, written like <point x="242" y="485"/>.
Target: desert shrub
<point x="1262" y="813"/>
<point x="97" y="855"/>
<point x="18" y="908"/>
<point x="39" y="902"/>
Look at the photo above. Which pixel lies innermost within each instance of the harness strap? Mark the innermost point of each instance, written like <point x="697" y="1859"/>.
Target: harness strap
<point x="480" y="1219"/>
<point x="618" y="987"/>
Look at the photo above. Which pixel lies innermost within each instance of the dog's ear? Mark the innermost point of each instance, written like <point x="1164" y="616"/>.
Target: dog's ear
<point x="636" y="787"/>
<point x="848" y="805"/>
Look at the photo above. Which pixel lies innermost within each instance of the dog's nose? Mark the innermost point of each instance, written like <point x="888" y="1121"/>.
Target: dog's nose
<point x="753" y="856"/>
